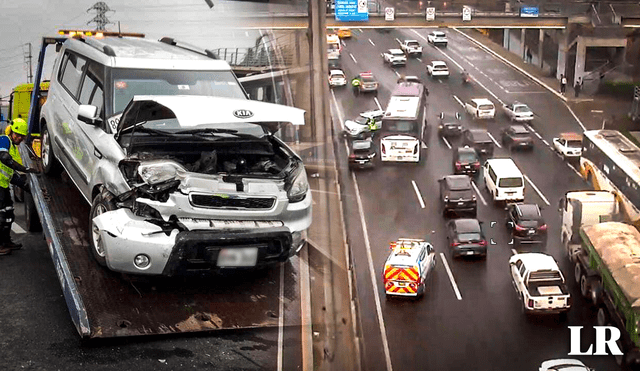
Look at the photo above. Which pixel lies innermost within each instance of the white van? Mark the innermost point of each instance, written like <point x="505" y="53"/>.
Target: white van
<point x="503" y="180"/>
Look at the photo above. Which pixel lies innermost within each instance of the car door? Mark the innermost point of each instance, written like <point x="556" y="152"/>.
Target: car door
<point x="65" y="123"/>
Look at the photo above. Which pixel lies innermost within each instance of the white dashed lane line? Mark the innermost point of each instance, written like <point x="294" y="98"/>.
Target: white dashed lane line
<point x="375" y="99"/>
<point x="459" y="101"/>
<point x="371" y="42"/>
<point x="354" y="58"/>
<point x="494" y="140"/>
<point x="453" y="281"/>
<point x="537" y="190"/>
<point x="415" y="188"/>
<point x="475" y="188"/>
<point x="446" y="142"/>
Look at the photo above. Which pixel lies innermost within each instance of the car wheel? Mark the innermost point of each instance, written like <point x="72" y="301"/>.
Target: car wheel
<point x="49" y="160"/>
<point x="101" y="204"/>
<point x="602" y="318"/>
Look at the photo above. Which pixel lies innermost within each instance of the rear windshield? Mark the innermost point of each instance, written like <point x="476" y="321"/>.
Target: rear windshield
<point x="467" y="157"/>
<point x="440" y="68"/>
<point x="413" y="44"/>
<point x="510" y="182"/>
<point x="522" y="109"/>
<point x="469" y="237"/>
<point x="486" y="107"/>
<point x="574" y="144"/>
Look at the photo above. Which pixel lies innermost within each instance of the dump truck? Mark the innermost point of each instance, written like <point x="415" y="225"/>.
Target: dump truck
<point x="607" y="268"/>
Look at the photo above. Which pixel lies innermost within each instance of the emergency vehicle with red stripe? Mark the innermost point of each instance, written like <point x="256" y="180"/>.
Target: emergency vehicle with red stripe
<point x="408" y="266"/>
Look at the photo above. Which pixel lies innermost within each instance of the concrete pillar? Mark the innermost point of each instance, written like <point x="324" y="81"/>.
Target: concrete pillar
<point x="522" y="42"/>
<point x="581" y="55"/>
<point x="540" y="48"/>
<point x="563" y="37"/>
<point x="506" y="40"/>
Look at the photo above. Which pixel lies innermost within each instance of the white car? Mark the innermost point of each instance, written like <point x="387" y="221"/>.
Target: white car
<point x="569" y="145"/>
<point x="437" y="38"/>
<point x="518" y="112"/>
<point x="337" y="78"/>
<point x="438" y="69"/>
<point x="395" y="57"/>
<point x="411" y="47"/>
<point x="358" y="128"/>
<point x="565" y="364"/>
<point x="481" y="108"/>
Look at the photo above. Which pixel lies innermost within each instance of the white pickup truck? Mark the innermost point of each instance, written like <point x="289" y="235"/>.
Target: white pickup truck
<point x="539" y="284"/>
<point x="411" y="47"/>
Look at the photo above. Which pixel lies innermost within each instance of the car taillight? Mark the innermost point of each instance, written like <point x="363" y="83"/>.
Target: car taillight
<point x="352" y="156"/>
<point x="476" y="165"/>
<point x="388" y="285"/>
<point x="530" y="303"/>
<point x="382" y="149"/>
<point x="412" y="285"/>
<point x="542" y="227"/>
<point x="454" y="244"/>
<point x="519" y="228"/>
<point x="415" y="150"/>
<point x="483" y="243"/>
<point x="458" y="165"/>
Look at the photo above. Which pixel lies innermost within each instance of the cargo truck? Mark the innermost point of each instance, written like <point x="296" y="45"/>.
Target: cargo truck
<point x="608" y="271"/>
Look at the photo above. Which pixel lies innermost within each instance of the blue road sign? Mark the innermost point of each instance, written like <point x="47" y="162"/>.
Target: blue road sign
<point x="352" y="10"/>
<point x="529" y="11"/>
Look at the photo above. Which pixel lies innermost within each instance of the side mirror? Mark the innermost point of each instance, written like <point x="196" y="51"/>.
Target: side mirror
<point x="89" y="114"/>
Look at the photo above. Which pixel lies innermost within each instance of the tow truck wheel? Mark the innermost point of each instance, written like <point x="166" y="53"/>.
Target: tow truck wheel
<point x="577" y="272"/>
<point x="602" y="318"/>
<point x="585" y="287"/>
<point x="597" y="292"/>
<point x="101" y="204"/>
<point x="49" y="161"/>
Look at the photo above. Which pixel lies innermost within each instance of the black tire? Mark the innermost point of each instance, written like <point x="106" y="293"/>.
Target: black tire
<point x="577" y="272"/>
<point x="585" y="287"/>
<point x="597" y="292"/>
<point x="50" y="163"/>
<point x="602" y="317"/>
<point x="102" y="203"/>
<point x="632" y="358"/>
<point x="31" y="218"/>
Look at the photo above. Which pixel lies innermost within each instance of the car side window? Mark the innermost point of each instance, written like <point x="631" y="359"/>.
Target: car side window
<point x="492" y="174"/>
<point x="72" y="73"/>
<point x="91" y="91"/>
<point x="522" y="270"/>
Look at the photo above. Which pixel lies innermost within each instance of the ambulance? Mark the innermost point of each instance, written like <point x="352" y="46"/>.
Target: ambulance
<point x="408" y="266"/>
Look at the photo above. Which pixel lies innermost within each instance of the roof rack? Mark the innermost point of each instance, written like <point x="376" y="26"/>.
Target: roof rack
<point x="206" y="52"/>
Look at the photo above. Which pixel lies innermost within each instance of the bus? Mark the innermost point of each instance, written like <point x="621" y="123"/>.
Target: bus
<point x="404" y="124"/>
<point x="334" y="47"/>
<point x="610" y="161"/>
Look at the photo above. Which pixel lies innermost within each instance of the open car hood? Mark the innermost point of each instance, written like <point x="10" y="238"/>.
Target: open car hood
<point x="193" y="111"/>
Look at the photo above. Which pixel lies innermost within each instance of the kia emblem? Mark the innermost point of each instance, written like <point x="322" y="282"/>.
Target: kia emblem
<point x="242" y="113"/>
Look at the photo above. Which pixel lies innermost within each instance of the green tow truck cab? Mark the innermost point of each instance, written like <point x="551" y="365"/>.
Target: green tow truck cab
<point x="607" y="269"/>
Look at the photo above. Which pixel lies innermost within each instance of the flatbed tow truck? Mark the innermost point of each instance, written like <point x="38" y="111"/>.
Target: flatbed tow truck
<point x="103" y="303"/>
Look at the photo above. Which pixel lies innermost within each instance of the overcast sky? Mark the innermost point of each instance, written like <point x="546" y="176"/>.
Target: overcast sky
<point x="27" y="21"/>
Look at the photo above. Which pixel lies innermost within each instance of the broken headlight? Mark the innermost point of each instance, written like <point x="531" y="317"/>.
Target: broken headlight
<point x="159" y="171"/>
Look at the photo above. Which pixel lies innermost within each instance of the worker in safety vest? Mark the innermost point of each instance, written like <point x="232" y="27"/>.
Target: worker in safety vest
<point x="9" y="161"/>
<point x="355" y="84"/>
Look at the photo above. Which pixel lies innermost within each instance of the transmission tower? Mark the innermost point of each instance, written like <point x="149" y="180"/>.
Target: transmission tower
<point x="27" y="62"/>
<point x="100" y="19"/>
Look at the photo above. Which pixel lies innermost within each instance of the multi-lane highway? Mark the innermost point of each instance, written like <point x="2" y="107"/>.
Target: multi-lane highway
<point x="470" y="317"/>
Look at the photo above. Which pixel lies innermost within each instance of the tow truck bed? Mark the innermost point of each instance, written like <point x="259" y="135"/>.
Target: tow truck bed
<point x="103" y="303"/>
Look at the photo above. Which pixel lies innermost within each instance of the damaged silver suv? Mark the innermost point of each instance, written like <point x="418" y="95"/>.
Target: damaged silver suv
<point x="182" y="171"/>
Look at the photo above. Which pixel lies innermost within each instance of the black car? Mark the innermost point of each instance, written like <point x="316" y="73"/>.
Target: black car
<point x="466" y="161"/>
<point x="478" y="139"/>
<point x="449" y="124"/>
<point x="465" y="238"/>
<point x="517" y="136"/>
<point x="361" y="154"/>
<point x="456" y="196"/>
<point x="526" y="224"/>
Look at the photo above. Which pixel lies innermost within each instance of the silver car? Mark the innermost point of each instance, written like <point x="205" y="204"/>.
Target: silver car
<point x="195" y="182"/>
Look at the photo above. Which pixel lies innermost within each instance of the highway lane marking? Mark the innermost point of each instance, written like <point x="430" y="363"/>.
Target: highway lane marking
<point x="507" y="62"/>
<point x="306" y="322"/>
<point x="419" y="60"/>
<point x="340" y="116"/>
<point x="354" y="58"/>
<point x="537" y="190"/>
<point x="545" y="142"/>
<point x="453" y="281"/>
<point x="360" y="30"/>
<point x="443" y="53"/>
<point x="281" y="320"/>
<point x="493" y="139"/>
<point x="374" y="282"/>
<point x="533" y="131"/>
<point x="446" y="142"/>
<point x="454" y="97"/>
<point x="371" y="42"/>
<point x="375" y="99"/>
<point x="17" y="229"/>
<point x="383" y="331"/>
<point x="397" y="73"/>
<point x="415" y="188"/>
<point x="475" y="188"/>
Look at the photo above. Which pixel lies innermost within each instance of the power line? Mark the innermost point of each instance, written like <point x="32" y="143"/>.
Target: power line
<point x="100" y="19"/>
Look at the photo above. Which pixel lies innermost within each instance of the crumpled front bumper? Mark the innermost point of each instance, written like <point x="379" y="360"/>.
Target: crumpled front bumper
<point x="126" y="236"/>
